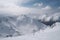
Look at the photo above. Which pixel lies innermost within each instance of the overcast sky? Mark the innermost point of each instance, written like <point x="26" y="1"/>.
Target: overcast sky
<point x="29" y="6"/>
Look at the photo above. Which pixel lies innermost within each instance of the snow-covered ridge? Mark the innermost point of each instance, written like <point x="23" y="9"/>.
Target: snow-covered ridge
<point x="47" y="19"/>
<point x="25" y="24"/>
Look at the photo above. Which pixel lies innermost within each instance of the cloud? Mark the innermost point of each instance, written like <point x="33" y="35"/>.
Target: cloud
<point x="10" y="6"/>
<point x="52" y="3"/>
<point x="45" y="8"/>
<point x="38" y="4"/>
<point x="15" y="7"/>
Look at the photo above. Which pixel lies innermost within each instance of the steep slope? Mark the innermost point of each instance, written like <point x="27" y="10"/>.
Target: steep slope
<point x="6" y="26"/>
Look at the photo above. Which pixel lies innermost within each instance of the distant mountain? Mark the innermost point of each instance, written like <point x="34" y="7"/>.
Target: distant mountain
<point x="14" y="25"/>
<point x="29" y="25"/>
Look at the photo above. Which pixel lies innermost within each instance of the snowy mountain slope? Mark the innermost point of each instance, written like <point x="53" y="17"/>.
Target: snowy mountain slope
<point x="25" y="24"/>
<point x="47" y="19"/>
<point x="19" y="25"/>
<point x="47" y="34"/>
<point x="29" y="25"/>
<point x="6" y="28"/>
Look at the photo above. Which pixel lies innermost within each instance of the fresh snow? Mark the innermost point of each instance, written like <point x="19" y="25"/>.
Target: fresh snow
<point x="47" y="34"/>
